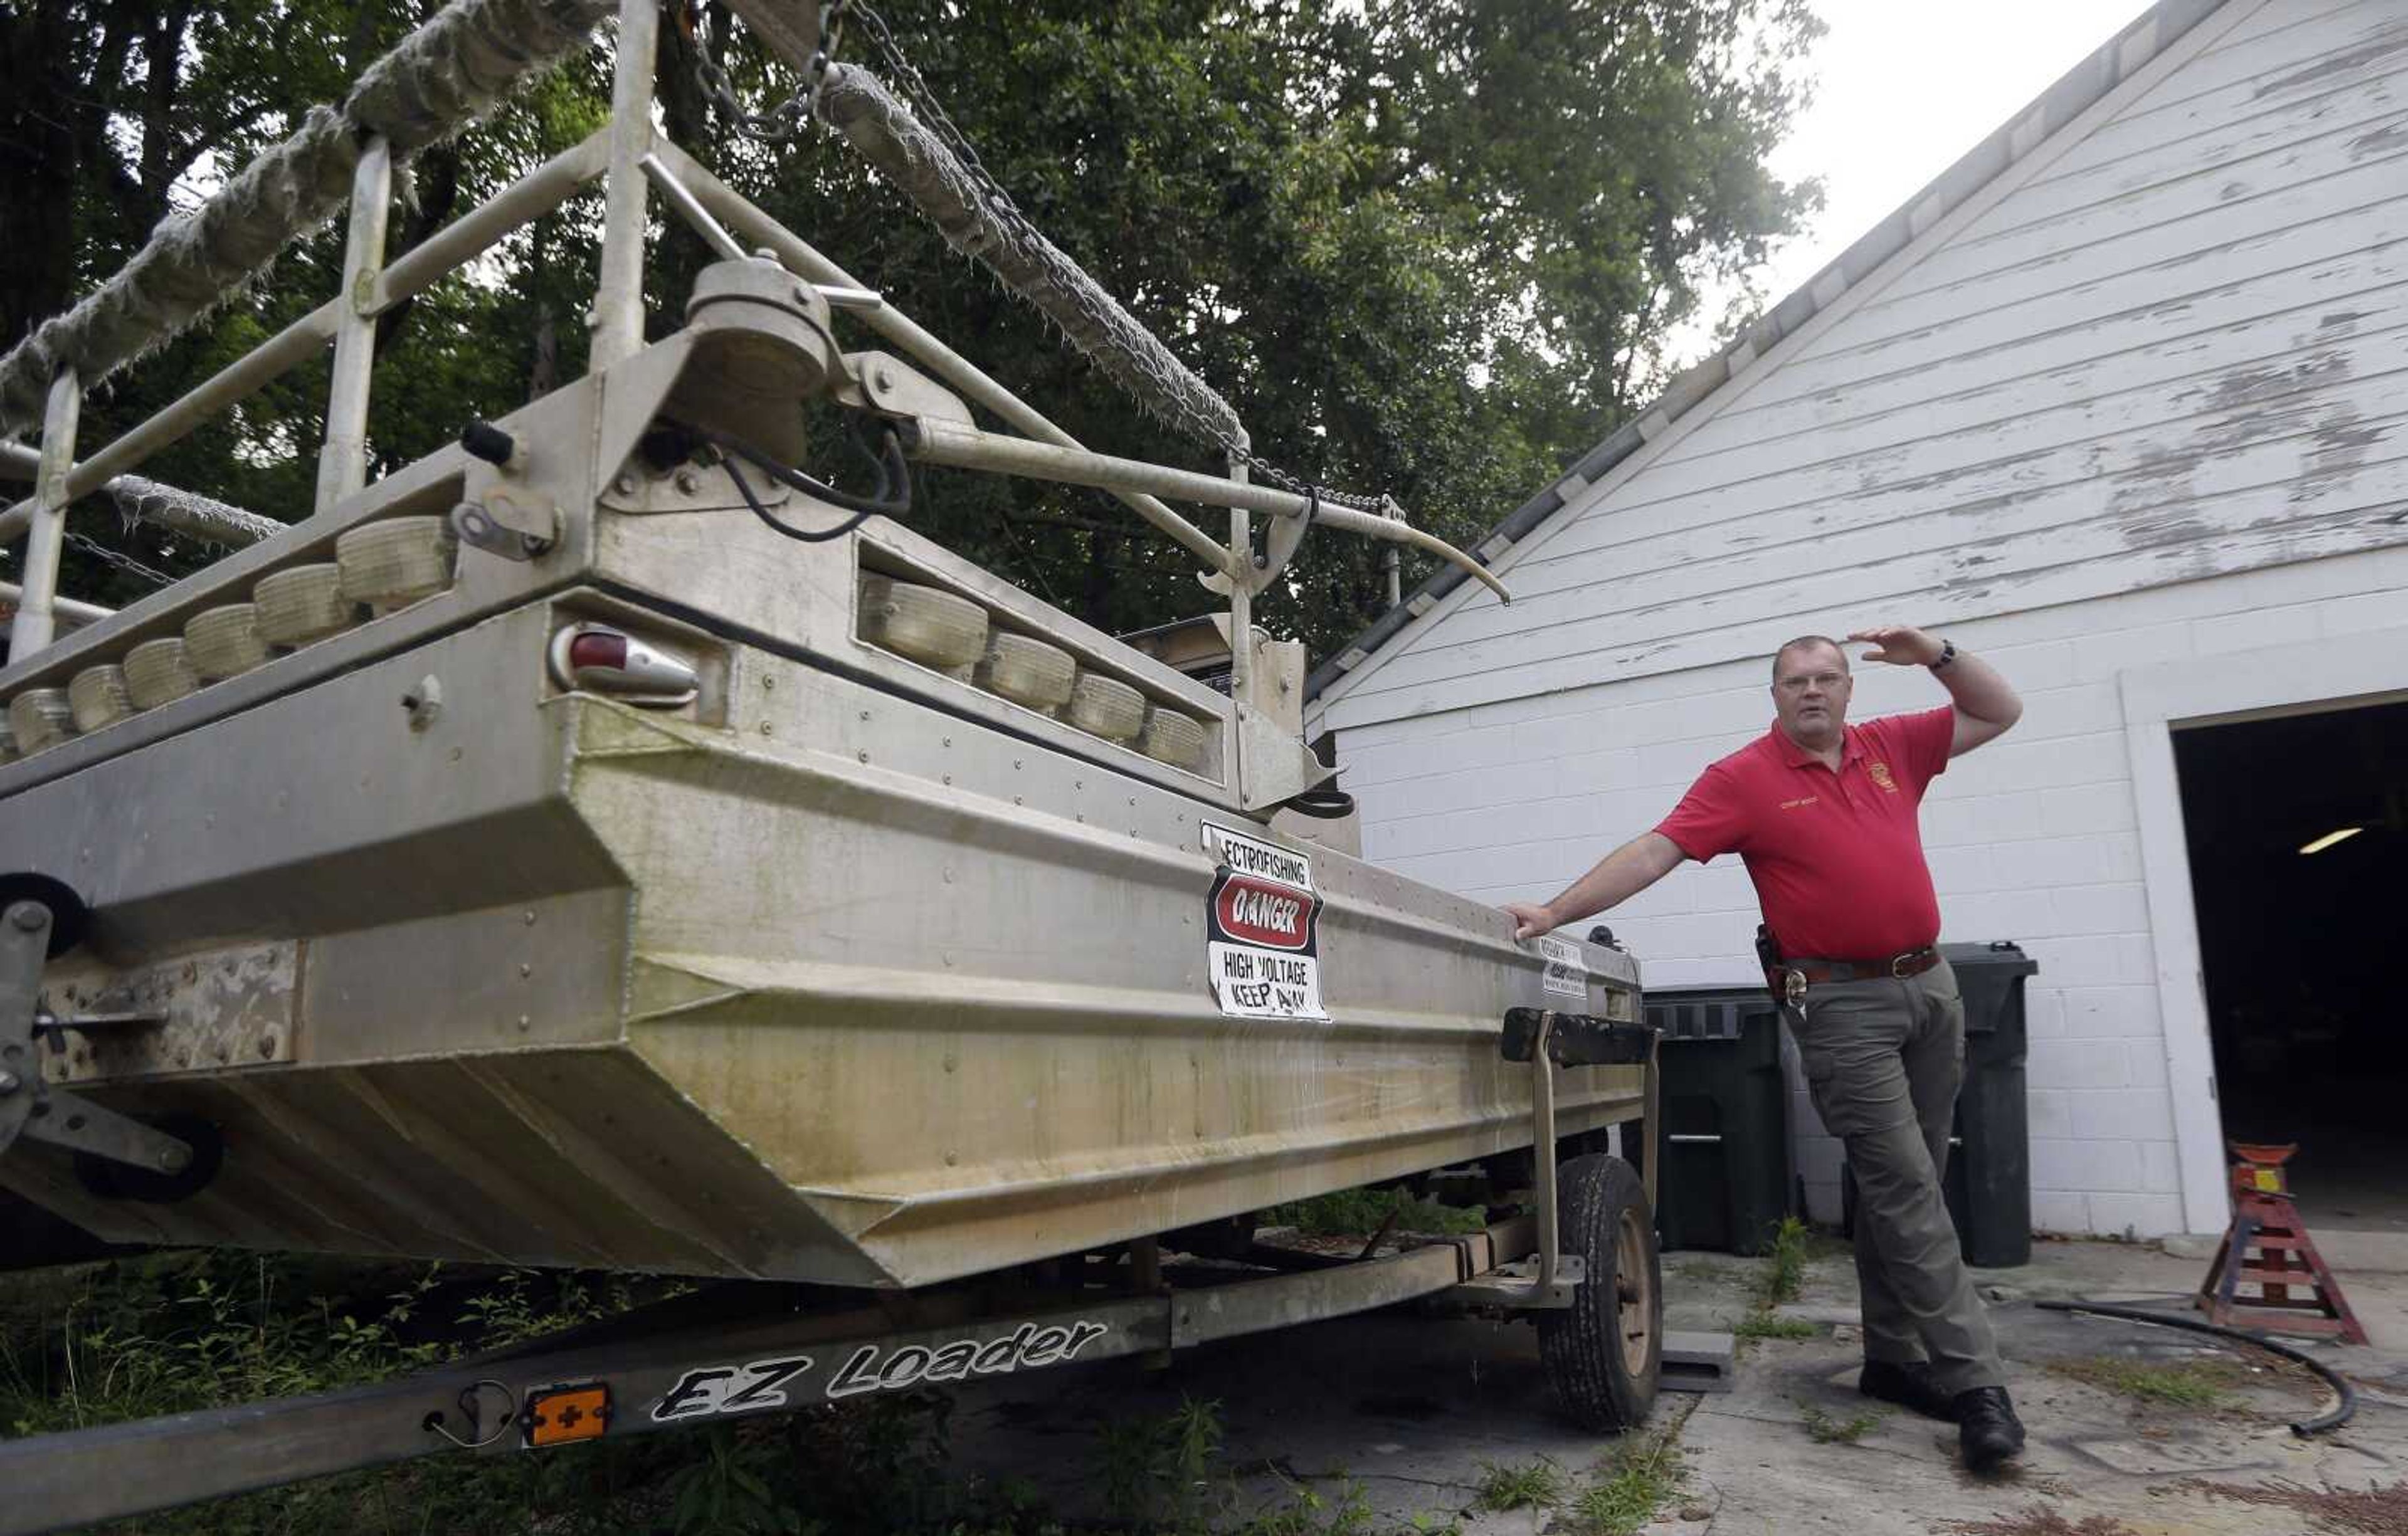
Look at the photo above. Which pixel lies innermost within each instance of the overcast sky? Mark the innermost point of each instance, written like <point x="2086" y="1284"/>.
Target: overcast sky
<point x="1902" y="88"/>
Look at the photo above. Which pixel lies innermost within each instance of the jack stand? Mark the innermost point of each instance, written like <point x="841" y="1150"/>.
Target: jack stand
<point x="2268" y="1245"/>
<point x="33" y="1109"/>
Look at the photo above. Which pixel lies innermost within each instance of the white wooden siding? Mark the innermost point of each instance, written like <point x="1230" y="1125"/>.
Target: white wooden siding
<point x="2172" y="349"/>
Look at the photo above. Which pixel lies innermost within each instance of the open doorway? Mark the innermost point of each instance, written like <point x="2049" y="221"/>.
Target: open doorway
<point x="2299" y="858"/>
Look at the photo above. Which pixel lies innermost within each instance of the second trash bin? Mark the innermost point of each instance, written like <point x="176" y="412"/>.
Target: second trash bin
<point x="1988" y="1180"/>
<point x="1724" y="1132"/>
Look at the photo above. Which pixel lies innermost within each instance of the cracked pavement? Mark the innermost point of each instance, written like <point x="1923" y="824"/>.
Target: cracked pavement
<point x="1412" y="1411"/>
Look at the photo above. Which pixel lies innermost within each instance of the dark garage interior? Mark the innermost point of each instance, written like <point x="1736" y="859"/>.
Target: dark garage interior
<point x="2305" y="946"/>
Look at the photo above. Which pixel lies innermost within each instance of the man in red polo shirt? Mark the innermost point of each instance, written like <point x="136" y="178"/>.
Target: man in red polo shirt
<point x="1823" y="815"/>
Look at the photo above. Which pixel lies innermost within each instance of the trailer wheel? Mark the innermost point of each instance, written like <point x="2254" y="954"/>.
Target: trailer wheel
<point x="1604" y="1352"/>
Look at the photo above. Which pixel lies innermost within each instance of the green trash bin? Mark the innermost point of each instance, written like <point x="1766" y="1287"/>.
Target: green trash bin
<point x="1724" y="1183"/>
<point x="1988" y="1180"/>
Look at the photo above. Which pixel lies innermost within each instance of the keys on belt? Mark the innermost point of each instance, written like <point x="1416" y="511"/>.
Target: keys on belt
<point x="1795" y="975"/>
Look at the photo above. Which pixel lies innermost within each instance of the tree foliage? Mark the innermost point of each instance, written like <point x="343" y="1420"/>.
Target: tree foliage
<point x="1429" y="247"/>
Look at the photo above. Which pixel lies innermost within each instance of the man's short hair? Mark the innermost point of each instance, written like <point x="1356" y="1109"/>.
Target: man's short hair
<point x="1808" y="640"/>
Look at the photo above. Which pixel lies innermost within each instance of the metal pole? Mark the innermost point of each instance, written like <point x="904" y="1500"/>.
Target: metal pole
<point x="1242" y="590"/>
<point x="471" y="235"/>
<point x="36" y="619"/>
<point x="618" y="314"/>
<point x="752" y="224"/>
<point x="238" y="380"/>
<point x="65" y="611"/>
<point x="697" y="217"/>
<point x="967" y="447"/>
<point x="1392" y="565"/>
<point x="343" y="459"/>
<point x="1542" y="1151"/>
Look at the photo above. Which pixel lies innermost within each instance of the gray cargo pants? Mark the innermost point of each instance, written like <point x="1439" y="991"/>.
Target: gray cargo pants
<point x="1883" y="1059"/>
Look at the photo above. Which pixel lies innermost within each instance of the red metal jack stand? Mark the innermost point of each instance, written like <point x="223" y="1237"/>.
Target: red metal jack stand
<point x="2268" y="1245"/>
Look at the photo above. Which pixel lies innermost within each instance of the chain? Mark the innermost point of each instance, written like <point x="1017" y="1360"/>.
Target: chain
<point x="792" y="118"/>
<point x="998" y="201"/>
<point x="119" y="561"/>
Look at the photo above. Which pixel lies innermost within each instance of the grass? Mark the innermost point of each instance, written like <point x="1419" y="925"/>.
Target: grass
<point x="1166" y="1471"/>
<point x="1830" y="1430"/>
<point x="1359" y="1212"/>
<point x="2197" y="1384"/>
<point x="1782" y="1277"/>
<point x="1632" y="1484"/>
<point x="1784" y="1264"/>
<point x="1537" y="1484"/>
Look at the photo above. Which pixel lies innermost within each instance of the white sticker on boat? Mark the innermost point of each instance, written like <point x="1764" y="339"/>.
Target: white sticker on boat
<point x="1253" y="856"/>
<point x="1567" y="973"/>
<point x="1262" y="946"/>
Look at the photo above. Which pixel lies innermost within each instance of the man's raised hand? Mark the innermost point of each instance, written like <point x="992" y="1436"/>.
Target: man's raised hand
<point x="1899" y="645"/>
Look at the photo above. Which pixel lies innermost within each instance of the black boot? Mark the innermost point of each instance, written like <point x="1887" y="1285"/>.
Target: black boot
<point x="1986" y="1428"/>
<point x="1910" y="1384"/>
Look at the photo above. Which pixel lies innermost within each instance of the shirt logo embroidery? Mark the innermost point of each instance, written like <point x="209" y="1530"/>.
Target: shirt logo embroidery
<point x="1880" y="774"/>
<point x="1793" y="804"/>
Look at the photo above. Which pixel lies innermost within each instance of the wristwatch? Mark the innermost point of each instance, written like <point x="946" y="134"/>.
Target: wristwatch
<point x="1947" y="654"/>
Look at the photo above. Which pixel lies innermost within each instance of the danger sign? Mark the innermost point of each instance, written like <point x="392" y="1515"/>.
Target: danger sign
<point x="1262" y="945"/>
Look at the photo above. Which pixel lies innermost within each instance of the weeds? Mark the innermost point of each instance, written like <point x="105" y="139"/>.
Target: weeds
<point x="2198" y="1384"/>
<point x="1538" y="1485"/>
<point x="1781" y="1278"/>
<point x="1633" y="1484"/>
<point x="2370" y="1511"/>
<point x="1784" y="1270"/>
<point x="1165" y="1471"/>
<point x="726" y="1491"/>
<point x="1828" y="1430"/>
<point x="1359" y="1212"/>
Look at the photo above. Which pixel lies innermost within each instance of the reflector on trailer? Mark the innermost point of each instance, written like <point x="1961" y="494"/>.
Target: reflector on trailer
<point x="557" y="1415"/>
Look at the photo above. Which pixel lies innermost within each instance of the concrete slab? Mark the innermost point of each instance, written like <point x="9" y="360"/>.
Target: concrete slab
<point x="1406" y="1414"/>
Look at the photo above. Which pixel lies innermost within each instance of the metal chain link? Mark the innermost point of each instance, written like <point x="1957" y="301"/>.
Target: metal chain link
<point x="1000" y="202"/>
<point x="118" y="560"/>
<point x="792" y="118"/>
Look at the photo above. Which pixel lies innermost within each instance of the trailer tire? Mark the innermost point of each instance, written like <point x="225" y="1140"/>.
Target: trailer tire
<point x="1604" y="1353"/>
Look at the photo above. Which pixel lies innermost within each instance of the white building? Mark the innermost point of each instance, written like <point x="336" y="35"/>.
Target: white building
<point x="2121" y="402"/>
